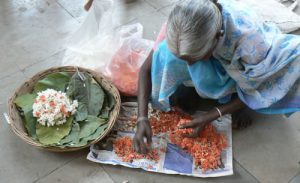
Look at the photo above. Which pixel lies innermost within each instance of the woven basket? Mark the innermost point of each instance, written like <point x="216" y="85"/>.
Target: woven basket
<point x="17" y="124"/>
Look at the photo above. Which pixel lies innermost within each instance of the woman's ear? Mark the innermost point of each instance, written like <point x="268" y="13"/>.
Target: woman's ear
<point x="220" y="34"/>
<point x="217" y="4"/>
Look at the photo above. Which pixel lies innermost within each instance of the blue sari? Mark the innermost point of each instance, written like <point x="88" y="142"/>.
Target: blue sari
<point x="253" y="59"/>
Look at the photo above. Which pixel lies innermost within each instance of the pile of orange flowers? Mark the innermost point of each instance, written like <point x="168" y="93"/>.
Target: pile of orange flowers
<point x="166" y="121"/>
<point x="206" y="149"/>
<point x="123" y="147"/>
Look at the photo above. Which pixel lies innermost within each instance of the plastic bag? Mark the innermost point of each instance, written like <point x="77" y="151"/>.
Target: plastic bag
<point x="93" y="44"/>
<point x="125" y="65"/>
<point x="116" y="52"/>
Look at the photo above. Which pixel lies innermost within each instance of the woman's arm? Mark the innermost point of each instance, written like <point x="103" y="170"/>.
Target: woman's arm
<point x="144" y="92"/>
<point x="200" y="122"/>
<point x="232" y="106"/>
<point x="144" y="87"/>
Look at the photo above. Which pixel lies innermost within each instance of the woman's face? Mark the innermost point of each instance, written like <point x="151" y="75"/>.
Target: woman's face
<point x="191" y="61"/>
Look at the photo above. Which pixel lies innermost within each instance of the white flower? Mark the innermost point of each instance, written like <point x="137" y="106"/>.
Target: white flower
<point x="52" y="107"/>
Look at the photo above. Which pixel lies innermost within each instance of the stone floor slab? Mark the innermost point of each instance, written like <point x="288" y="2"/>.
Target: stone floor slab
<point x="120" y="174"/>
<point x="74" y="7"/>
<point x="53" y="61"/>
<point x="34" y="32"/>
<point x="295" y="179"/>
<point x="33" y="37"/>
<point x="21" y="162"/>
<point x="125" y="13"/>
<point x="78" y="171"/>
<point x="152" y="23"/>
<point x="269" y="149"/>
<point x="9" y="84"/>
<point x="167" y="10"/>
<point x="161" y="4"/>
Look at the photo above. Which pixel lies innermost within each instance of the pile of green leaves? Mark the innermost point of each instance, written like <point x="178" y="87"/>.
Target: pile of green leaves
<point x="88" y="123"/>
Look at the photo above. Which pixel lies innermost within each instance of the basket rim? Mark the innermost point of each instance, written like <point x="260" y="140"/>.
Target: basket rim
<point x="41" y="74"/>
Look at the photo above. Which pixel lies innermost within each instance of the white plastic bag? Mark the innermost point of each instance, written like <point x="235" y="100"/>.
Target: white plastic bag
<point x="93" y="44"/>
<point x="116" y="52"/>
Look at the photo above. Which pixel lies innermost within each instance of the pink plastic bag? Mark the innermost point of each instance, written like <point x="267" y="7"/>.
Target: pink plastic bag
<point x="161" y="35"/>
<point x="125" y="65"/>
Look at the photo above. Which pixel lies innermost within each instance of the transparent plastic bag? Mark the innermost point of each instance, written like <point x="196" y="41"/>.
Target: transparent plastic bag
<point x="117" y="52"/>
<point x="93" y="44"/>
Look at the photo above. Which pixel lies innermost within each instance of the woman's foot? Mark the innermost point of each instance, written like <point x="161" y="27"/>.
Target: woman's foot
<point x="241" y="119"/>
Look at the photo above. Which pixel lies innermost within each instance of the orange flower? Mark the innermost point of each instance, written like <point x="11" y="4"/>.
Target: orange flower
<point x="205" y="149"/>
<point x="63" y="109"/>
<point x="123" y="148"/>
<point x="52" y="104"/>
<point x="37" y="114"/>
<point x="43" y="98"/>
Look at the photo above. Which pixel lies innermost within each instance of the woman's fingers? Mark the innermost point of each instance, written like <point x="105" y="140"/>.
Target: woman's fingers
<point x="136" y="145"/>
<point x="194" y="134"/>
<point x="190" y="135"/>
<point x="143" y="147"/>
<point x="188" y="125"/>
<point x="140" y="146"/>
<point x="149" y="138"/>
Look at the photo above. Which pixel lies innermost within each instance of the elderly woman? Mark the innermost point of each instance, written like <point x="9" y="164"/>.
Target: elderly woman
<point x="221" y="48"/>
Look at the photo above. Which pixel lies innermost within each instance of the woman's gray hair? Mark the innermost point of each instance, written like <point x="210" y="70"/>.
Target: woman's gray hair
<point x="192" y="28"/>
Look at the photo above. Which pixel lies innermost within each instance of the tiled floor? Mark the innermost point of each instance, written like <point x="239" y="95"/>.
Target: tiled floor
<point x="33" y="34"/>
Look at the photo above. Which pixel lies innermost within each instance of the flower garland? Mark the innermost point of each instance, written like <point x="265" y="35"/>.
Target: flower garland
<point x="52" y="107"/>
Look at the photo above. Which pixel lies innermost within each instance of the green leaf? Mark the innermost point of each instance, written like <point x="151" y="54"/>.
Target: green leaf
<point x="108" y="105"/>
<point x="104" y="113"/>
<point x="53" y="134"/>
<point x="96" y="99"/>
<point x="57" y="81"/>
<point x="73" y="137"/>
<point x="98" y="132"/>
<point x="30" y="124"/>
<point x="93" y="136"/>
<point x="77" y="87"/>
<point x="90" y="126"/>
<point x="25" y="102"/>
<point x="83" y="88"/>
<point x="111" y="100"/>
<point x="79" y="144"/>
<point x="82" y="112"/>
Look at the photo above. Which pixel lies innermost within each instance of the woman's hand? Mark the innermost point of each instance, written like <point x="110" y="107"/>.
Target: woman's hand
<point x="144" y="92"/>
<point x="143" y="131"/>
<point x="88" y="5"/>
<point x="198" y="123"/>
